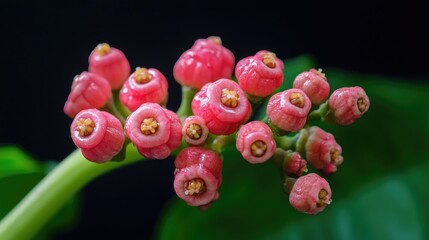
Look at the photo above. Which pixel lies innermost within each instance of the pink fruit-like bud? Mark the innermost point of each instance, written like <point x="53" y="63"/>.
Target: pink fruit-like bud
<point x="322" y="151"/>
<point x="198" y="176"/>
<point x="88" y="90"/>
<point x="348" y="104"/>
<point x="314" y="84"/>
<point x="154" y="130"/>
<point x="98" y="134"/>
<point x="223" y="105"/>
<point x="260" y="75"/>
<point x="310" y="194"/>
<point x="207" y="61"/>
<point x="110" y="63"/>
<point x="288" y="110"/>
<point x="255" y="142"/>
<point x="194" y="130"/>
<point x="294" y="164"/>
<point x="144" y="85"/>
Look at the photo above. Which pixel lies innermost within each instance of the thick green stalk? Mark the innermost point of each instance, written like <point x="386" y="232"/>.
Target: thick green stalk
<point x="50" y="195"/>
<point x="118" y="105"/>
<point x="185" y="108"/>
<point x="69" y="177"/>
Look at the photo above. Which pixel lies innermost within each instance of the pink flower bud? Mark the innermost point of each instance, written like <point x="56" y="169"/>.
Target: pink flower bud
<point x="198" y="176"/>
<point x="88" y="90"/>
<point x="223" y="105"/>
<point x="348" y="104"/>
<point x="98" y="134"/>
<point x="207" y="61"/>
<point x="194" y="130"/>
<point x="314" y="84"/>
<point x="255" y="142"/>
<point x="154" y="130"/>
<point x="288" y="110"/>
<point x="110" y="63"/>
<point x="310" y="194"/>
<point x="144" y="85"/>
<point x="322" y="151"/>
<point x="294" y="164"/>
<point x="260" y="75"/>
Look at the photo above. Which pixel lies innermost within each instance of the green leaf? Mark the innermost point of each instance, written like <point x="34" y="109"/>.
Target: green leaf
<point x="378" y="192"/>
<point x="14" y="160"/>
<point x="19" y="173"/>
<point x="385" y="209"/>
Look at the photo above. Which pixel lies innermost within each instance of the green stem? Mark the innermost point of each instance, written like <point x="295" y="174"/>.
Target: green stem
<point x="118" y="105"/>
<point x="286" y="142"/>
<point x="185" y="108"/>
<point x="319" y="113"/>
<point x="288" y="184"/>
<point x="264" y="119"/>
<point x="218" y="143"/>
<point x="50" y="195"/>
<point x="111" y="108"/>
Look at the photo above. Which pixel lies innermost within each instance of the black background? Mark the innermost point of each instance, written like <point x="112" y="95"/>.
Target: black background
<point x="45" y="44"/>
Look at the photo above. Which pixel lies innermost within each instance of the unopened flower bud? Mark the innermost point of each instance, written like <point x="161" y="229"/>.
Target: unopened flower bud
<point x="322" y="151"/>
<point x="310" y="194"/>
<point x="194" y="130"/>
<point x="207" y="61"/>
<point x="110" y="63"/>
<point x="198" y="176"/>
<point x="154" y="130"/>
<point x="223" y="106"/>
<point x="291" y="162"/>
<point x="314" y="84"/>
<point x="98" y="134"/>
<point x="348" y="104"/>
<point x="144" y="86"/>
<point x="288" y="110"/>
<point x="260" y="75"/>
<point x="88" y="90"/>
<point x="255" y="142"/>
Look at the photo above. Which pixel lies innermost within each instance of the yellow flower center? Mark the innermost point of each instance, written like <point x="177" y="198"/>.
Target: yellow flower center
<point x="85" y="126"/>
<point x="195" y="186"/>
<point x="259" y="148"/>
<point x="362" y="104"/>
<point x="142" y="75"/>
<point x="229" y="98"/>
<point x="102" y="49"/>
<point x="320" y="73"/>
<point x="194" y="131"/>
<point x="336" y="157"/>
<point x="324" y="198"/>
<point x="149" y="126"/>
<point x="269" y="59"/>
<point x="215" y="39"/>
<point x="297" y="99"/>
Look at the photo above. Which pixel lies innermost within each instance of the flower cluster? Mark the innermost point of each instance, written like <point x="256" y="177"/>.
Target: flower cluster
<point x="112" y="107"/>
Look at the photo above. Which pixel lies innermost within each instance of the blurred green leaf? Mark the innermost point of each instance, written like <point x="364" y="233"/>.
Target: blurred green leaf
<point x="378" y="192"/>
<point x="14" y="160"/>
<point x="14" y="187"/>
<point x="19" y="173"/>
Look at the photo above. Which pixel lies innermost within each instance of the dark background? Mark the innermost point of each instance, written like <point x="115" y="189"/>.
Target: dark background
<point x="45" y="44"/>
